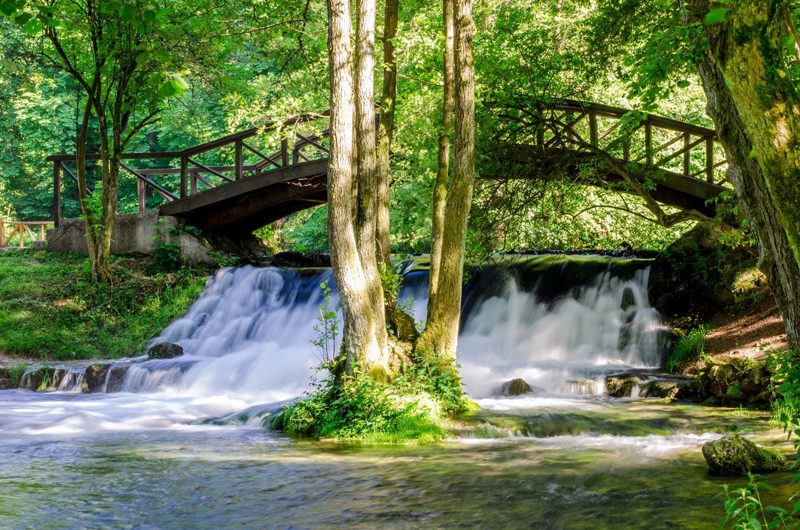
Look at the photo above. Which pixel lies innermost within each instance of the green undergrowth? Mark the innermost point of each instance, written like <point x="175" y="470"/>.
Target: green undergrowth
<point x="50" y="308"/>
<point x="687" y="349"/>
<point x="413" y="408"/>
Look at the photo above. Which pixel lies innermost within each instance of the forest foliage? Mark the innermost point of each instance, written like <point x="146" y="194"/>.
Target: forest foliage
<point x="249" y="64"/>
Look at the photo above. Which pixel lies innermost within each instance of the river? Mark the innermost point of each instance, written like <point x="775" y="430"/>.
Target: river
<point x="179" y="443"/>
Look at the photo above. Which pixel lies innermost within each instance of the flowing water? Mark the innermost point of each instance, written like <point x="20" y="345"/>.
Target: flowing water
<point x="177" y="443"/>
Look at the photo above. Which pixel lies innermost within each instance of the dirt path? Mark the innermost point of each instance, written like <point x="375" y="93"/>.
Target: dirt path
<point x="749" y="332"/>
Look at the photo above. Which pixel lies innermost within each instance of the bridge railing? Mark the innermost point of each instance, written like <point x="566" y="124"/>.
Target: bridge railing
<point x="227" y="159"/>
<point x="632" y="136"/>
<point x="18" y="233"/>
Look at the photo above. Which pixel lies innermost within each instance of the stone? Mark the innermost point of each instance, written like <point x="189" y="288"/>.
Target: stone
<point x="94" y="377"/>
<point x="515" y="387"/>
<point x="665" y="388"/>
<point x="165" y="350"/>
<point x="734" y="381"/>
<point x="622" y="385"/>
<point x="733" y="455"/>
<point x="116" y="377"/>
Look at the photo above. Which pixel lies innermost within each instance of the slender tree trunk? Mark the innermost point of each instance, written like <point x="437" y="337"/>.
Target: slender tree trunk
<point x="359" y="341"/>
<point x="752" y="112"/>
<point x="443" y="168"/>
<point x="386" y="129"/>
<point x="366" y="163"/>
<point x="440" y="337"/>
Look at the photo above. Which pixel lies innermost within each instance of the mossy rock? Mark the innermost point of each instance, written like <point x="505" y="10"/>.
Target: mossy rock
<point x="94" y="377"/>
<point x="165" y="350"/>
<point x="733" y="455"/>
<point x="515" y="387"/>
<point x="622" y="385"/>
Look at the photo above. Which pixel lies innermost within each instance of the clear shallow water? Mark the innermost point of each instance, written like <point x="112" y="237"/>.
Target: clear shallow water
<point x="237" y="477"/>
<point x="146" y="457"/>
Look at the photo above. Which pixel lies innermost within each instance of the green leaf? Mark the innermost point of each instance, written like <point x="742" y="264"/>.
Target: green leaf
<point x="128" y="12"/>
<point x="755" y="523"/>
<point x="33" y="26"/>
<point x="175" y="85"/>
<point x="683" y="83"/>
<point x="22" y="19"/>
<point x="753" y="156"/>
<point x="716" y="16"/>
<point x="8" y="7"/>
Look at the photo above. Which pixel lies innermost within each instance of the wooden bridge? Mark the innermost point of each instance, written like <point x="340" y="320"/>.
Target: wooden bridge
<point x="249" y="179"/>
<point x="679" y="164"/>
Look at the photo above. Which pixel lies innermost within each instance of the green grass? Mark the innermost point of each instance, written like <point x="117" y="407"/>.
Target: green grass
<point x="50" y="308"/>
<point x="687" y="349"/>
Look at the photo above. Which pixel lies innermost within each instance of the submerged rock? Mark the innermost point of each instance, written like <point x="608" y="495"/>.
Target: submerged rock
<point x="515" y="387"/>
<point x="622" y="385"/>
<point x="165" y="350"/>
<point x="735" y="456"/>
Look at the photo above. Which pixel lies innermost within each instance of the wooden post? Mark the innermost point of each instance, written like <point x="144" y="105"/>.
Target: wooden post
<point x="709" y="159"/>
<point x="184" y="176"/>
<point x="2" y="233"/>
<point x="21" y="233"/>
<point x="687" y="155"/>
<point x="237" y="163"/>
<point x="593" y="136"/>
<point x="284" y="151"/>
<point x="57" y="193"/>
<point x="142" y="192"/>
<point x="648" y="143"/>
<point x="194" y="182"/>
<point x="41" y="232"/>
<point x="570" y="138"/>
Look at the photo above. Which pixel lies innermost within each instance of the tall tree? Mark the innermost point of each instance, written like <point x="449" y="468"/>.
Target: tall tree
<point x="388" y="103"/>
<point x="440" y="337"/>
<point x="443" y="156"/>
<point x="756" y="110"/>
<point x="351" y="211"/>
<point x="111" y="49"/>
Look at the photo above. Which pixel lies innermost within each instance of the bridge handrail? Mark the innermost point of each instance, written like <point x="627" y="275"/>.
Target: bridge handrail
<point x="564" y="132"/>
<point x="190" y="168"/>
<point x="21" y="229"/>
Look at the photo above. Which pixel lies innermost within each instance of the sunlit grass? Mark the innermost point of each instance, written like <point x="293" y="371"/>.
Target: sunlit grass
<point x="50" y="308"/>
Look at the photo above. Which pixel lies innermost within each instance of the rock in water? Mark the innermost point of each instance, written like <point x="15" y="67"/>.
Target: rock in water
<point x="515" y="387"/>
<point x="165" y="350"/>
<point x="735" y="456"/>
<point x="622" y="385"/>
<point x="94" y="378"/>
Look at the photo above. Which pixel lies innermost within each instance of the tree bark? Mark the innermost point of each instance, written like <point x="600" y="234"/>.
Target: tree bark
<point x="366" y="164"/>
<point x="386" y="130"/>
<point x="440" y="337"/>
<point x="729" y="94"/>
<point x="443" y="166"/>
<point x="360" y="342"/>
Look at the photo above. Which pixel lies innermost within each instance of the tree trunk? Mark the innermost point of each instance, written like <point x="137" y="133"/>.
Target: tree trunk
<point x="366" y="164"/>
<point x="359" y="341"/>
<point x="440" y="337"/>
<point x="733" y="116"/>
<point x="443" y="168"/>
<point x="386" y="130"/>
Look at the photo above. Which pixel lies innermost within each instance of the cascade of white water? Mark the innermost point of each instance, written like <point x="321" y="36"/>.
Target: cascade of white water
<point x="564" y="346"/>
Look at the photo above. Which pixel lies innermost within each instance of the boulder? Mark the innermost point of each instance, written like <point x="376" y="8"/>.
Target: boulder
<point x="733" y="455"/>
<point x="622" y="385"/>
<point x="665" y="388"/>
<point x="116" y="377"/>
<point x="43" y="379"/>
<point x="515" y="387"/>
<point x="5" y="379"/>
<point x="165" y="350"/>
<point x="94" y="377"/>
<point x="733" y="382"/>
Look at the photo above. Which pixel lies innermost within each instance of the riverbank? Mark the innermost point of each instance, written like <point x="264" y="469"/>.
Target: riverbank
<point x="51" y="310"/>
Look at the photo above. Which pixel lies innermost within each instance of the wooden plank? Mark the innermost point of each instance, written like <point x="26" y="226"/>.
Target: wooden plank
<point x="209" y="170"/>
<point x="184" y="176"/>
<point x="710" y="159"/>
<point x="237" y="172"/>
<point x="593" y="137"/>
<point x="648" y="142"/>
<point x="687" y="154"/>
